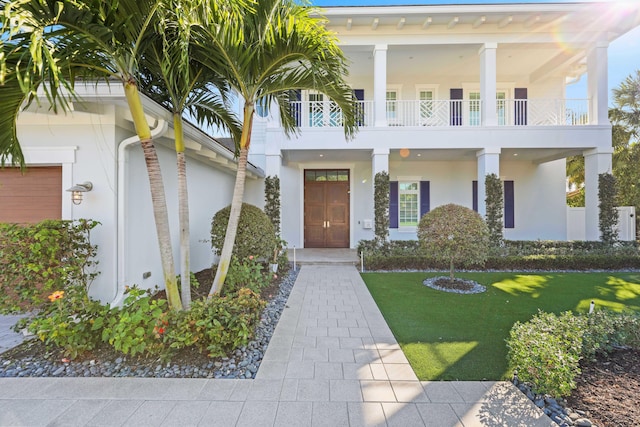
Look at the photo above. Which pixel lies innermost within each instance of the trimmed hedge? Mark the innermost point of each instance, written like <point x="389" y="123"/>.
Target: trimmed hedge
<point x="516" y="255"/>
<point x="255" y="237"/>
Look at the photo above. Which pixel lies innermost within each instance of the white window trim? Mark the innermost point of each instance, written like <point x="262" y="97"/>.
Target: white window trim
<point x="408" y="179"/>
<point x="431" y="87"/>
<point x="507" y="87"/>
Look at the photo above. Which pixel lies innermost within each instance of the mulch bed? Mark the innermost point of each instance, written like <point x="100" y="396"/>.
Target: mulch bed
<point x="609" y="390"/>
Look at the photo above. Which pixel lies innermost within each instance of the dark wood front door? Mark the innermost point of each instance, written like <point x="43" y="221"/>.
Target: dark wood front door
<point x="326" y="208"/>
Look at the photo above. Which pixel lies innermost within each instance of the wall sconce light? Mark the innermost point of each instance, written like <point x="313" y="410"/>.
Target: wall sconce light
<point x="78" y="189"/>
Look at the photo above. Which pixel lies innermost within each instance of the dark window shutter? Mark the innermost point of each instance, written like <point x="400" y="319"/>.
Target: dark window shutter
<point x="455" y="95"/>
<point x="509" y="206"/>
<point x="520" y="110"/>
<point x="474" y="190"/>
<point x="393" y="204"/>
<point x="424" y="198"/>
<point x="359" y="95"/>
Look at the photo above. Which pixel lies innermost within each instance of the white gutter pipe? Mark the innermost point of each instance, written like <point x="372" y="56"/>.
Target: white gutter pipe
<point x="121" y="164"/>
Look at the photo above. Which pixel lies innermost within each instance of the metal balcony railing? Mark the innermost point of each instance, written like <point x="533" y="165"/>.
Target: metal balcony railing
<point x="448" y="113"/>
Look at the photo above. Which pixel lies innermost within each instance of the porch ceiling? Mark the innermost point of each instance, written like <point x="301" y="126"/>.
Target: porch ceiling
<point x="537" y="155"/>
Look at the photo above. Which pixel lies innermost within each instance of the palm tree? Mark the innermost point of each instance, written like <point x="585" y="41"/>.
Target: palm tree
<point x="173" y="79"/>
<point x="276" y="46"/>
<point x="49" y="41"/>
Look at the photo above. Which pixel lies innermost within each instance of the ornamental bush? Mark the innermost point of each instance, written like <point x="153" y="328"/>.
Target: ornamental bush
<point x="255" y="237"/>
<point x="454" y="234"/>
<point x="37" y="259"/>
<point x="546" y="351"/>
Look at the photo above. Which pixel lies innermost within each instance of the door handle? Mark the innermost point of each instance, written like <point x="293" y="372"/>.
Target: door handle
<point x="328" y="224"/>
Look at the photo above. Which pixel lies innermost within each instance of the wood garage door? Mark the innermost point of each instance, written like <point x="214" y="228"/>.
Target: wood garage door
<point x="31" y="197"/>
<point x="326" y="208"/>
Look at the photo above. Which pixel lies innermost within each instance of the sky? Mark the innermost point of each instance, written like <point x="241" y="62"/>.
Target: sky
<point x="624" y="52"/>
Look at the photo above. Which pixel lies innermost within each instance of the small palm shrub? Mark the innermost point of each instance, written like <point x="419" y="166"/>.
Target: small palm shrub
<point x="454" y="234"/>
<point x="255" y="237"/>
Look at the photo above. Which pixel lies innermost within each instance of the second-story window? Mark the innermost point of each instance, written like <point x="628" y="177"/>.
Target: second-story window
<point x="426" y="104"/>
<point x="408" y="204"/>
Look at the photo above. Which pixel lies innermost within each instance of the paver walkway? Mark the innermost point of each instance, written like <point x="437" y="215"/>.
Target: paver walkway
<point x="331" y="362"/>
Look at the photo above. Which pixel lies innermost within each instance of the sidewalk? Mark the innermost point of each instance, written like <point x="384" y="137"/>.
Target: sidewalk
<point x="331" y="362"/>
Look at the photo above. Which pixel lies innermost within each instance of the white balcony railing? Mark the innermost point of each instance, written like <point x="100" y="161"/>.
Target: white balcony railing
<point x="448" y="113"/>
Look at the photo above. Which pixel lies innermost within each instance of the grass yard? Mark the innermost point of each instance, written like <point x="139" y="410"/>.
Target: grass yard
<point x="449" y="336"/>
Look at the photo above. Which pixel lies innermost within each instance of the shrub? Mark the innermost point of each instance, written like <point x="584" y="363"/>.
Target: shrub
<point x="607" y="330"/>
<point x="546" y="351"/>
<point x="71" y="321"/>
<point x="216" y="325"/>
<point x="454" y="234"/>
<point x="255" y="237"/>
<point x="246" y="273"/>
<point x="495" y="206"/>
<point x="381" y="206"/>
<point x="608" y="214"/>
<point x="272" y="201"/>
<point x="138" y="326"/>
<point x="38" y="259"/>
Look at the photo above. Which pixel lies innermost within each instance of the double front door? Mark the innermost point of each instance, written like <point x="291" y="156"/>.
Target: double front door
<point x="326" y="208"/>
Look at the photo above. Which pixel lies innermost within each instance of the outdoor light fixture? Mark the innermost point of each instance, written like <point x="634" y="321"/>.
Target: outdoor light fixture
<point x="77" y="190"/>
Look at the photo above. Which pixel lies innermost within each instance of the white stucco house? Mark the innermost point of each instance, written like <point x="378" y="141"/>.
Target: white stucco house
<point x="448" y="94"/>
<point x="96" y="143"/>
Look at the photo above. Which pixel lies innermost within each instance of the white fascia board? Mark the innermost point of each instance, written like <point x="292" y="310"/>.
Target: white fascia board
<point x="331" y="12"/>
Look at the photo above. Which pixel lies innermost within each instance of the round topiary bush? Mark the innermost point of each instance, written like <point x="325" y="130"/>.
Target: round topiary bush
<point x="255" y="237"/>
<point x="454" y="234"/>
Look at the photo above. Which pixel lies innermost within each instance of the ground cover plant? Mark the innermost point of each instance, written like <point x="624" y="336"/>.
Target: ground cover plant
<point x="449" y="336"/>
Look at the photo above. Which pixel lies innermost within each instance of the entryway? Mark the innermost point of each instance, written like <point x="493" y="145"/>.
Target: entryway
<point x="326" y="208"/>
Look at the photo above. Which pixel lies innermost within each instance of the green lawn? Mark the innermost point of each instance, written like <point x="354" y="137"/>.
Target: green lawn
<point x="449" y="336"/>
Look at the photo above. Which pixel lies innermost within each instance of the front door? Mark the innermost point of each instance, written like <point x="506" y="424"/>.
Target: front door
<point x="326" y="208"/>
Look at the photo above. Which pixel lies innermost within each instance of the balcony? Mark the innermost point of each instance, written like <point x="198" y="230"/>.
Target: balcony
<point x="449" y="113"/>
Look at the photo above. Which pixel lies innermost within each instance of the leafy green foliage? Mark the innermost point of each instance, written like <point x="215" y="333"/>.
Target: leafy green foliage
<point x="454" y="234"/>
<point x="216" y="325"/>
<point x="70" y="321"/>
<point x="138" y="326"/>
<point x="40" y="258"/>
<point x="607" y="329"/>
<point x="255" y="237"/>
<point x="381" y="206"/>
<point x="272" y="201"/>
<point x="608" y="218"/>
<point x="495" y="206"/>
<point x="246" y="273"/>
<point x="546" y="351"/>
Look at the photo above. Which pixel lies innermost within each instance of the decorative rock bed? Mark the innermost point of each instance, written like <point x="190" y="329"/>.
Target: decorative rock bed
<point x="242" y="363"/>
<point x="460" y="286"/>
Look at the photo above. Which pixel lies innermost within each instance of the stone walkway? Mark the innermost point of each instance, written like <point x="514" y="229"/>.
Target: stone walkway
<point x="332" y="362"/>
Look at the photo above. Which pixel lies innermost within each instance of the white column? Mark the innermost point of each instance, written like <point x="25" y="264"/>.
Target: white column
<point x="488" y="163"/>
<point x="272" y="155"/>
<point x="488" y="76"/>
<point x="380" y="84"/>
<point x="596" y="161"/>
<point x="597" y="84"/>
<point x="379" y="161"/>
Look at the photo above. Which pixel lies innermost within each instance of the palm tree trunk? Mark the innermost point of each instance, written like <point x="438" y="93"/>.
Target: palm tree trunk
<point x="183" y="213"/>
<point x="158" y="199"/>
<point x="236" y="203"/>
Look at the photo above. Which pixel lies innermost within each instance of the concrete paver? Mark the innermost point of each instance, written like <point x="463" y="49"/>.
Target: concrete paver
<point x="332" y="361"/>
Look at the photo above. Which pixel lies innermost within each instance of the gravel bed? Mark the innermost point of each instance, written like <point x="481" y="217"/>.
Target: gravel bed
<point x="30" y="359"/>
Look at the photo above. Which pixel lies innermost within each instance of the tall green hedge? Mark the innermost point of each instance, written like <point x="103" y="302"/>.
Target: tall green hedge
<point x="38" y="259"/>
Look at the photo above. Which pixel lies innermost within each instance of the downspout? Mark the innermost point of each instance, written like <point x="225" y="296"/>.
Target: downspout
<point x="121" y="164"/>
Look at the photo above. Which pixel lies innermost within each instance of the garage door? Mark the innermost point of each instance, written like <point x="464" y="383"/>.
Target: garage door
<point x="30" y="197"/>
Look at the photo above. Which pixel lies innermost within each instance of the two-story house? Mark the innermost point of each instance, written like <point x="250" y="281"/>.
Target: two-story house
<point x="449" y="94"/>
